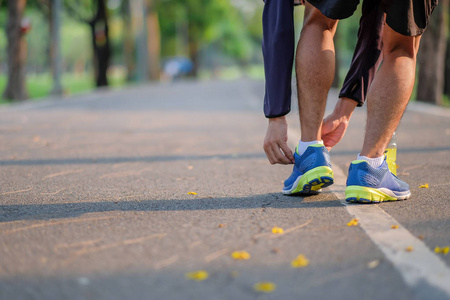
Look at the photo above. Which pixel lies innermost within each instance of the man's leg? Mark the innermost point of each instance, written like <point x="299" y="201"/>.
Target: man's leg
<point x="365" y="62"/>
<point x="315" y="71"/>
<point x="369" y="178"/>
<point x="390" y="91"/>
<point x="315" y="62"/>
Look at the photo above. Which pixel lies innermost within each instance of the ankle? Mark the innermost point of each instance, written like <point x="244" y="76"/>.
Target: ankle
<point x="374" y="162"/>
<point x="302" y="146"/>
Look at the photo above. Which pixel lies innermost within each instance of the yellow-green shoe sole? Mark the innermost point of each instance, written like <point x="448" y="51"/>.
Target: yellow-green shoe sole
<point x="361" y="194"/>
<point x="314" y="180"/>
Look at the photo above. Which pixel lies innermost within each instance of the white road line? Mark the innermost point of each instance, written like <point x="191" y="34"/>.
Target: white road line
<point x="417" y="267"/>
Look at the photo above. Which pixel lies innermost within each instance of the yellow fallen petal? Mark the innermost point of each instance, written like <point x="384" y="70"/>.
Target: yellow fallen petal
<point x="240" y="255"/>
<point x="353" y="222"/>
<point x="265" y="287"/>
<point x="373" y="264"/>
<point x="394" y="226"/>
<point x="197" y="275"/>
<point x="409" y="249"/>
<point x="277" y="230"/>
<point x="192" y="193"/>
<point x="300" y="262"/>
<point x="443" y="250"/>
<point x="424" y="186"/>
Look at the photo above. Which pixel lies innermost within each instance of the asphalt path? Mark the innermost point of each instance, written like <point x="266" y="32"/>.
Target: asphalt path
<point x="118" y="194"/>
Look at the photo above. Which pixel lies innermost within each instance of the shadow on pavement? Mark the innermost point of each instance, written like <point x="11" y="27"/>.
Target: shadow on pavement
<point x="10" y="213"/>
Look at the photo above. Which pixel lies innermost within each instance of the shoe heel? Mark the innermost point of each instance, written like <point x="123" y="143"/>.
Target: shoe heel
<point x="315" y="179"/>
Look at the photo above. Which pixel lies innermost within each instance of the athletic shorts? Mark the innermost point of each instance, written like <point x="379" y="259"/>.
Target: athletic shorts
<point x="407" y="17"/>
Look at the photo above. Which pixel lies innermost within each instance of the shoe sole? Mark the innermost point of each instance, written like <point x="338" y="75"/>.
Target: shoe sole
<point x="312" y="181"/>
<point x="361" y="194"/>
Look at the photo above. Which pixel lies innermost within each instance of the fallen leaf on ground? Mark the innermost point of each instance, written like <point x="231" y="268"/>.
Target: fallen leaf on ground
<point x="353" y="222"/>
<point x="409" y="249"/>
<point x="222" y="225"/>
<point x="424" y="186"/>
<point x="197" y="275"/>
<point x="443" y="250"/>
<point x="192" y="193"/>
<point x="373" y="264"/>
<point x="394" y="226"/>
<point x="265" y="287"/>
<point x="300" y="262"/>
<point x="277" y="230"/>
<point x="240" y="255"/>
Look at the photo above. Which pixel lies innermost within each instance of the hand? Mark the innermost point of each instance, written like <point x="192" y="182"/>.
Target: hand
<point x="275" y="143"/>
<point x="335" y="125"/>
<point x="299" y="2"/>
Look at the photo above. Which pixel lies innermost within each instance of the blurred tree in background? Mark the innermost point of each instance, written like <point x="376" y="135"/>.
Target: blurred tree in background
<point x="432" y="55"/>
<point x="136" y="40"/>
<point x="94" y="13"/>
<point x="16" y="29"/>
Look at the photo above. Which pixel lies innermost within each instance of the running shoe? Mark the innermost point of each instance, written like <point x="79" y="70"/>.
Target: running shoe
<point x="312" y="171"/>
<point x="366" y="184"/>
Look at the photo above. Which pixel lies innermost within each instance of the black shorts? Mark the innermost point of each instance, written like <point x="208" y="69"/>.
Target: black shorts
<point x="407" y="17"/>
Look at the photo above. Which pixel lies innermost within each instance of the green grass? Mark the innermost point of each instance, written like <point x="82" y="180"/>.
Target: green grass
<point x="39" y="86"/>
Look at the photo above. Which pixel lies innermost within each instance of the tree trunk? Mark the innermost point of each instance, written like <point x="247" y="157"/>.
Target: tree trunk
<point x="431" y="57"/>
<point x="153" y="41"/>
<point x="193" y="55"/>
<point x="447" y="70"/>
<point x="17" y="52"/>
<point x="101" y="45"/>
<point x="128" y="44"/>
<point x="447" y="61"/>
<point x="55" y="56"/>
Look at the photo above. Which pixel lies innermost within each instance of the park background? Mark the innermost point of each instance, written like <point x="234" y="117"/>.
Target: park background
<point x="64" y="47"/>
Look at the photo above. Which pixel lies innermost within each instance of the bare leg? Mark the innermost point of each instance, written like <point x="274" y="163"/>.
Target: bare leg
<point x="315" y="61"/>
<point x="390" y="91"/>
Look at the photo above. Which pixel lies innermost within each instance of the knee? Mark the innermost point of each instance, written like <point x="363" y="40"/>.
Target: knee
<point x="397" y="45"/>
<point x="315" y="19"/>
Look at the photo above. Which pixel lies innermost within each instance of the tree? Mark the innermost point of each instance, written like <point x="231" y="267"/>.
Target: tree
<point x="51" y="10"/>
<point x="128" y="39"/>
<point x="153" y="40"/>
<point x="431" y="57"/>
<point x="447" y="61"/>
<point x="17" y="51"/>
<point x="94" y="13"/>
<point x="201" y="23"/>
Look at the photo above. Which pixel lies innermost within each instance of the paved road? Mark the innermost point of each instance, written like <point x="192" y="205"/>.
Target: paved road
<point x="94" y="202"/>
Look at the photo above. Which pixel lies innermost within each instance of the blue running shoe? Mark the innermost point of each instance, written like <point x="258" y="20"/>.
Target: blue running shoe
<point x="312" y="171"/>
<point x="366" y="184"/>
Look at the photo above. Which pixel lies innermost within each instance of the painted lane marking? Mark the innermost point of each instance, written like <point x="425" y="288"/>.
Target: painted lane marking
<point x="418" y="267"/>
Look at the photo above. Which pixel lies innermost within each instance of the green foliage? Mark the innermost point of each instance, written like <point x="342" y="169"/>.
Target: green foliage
<point x="207" y="23"/>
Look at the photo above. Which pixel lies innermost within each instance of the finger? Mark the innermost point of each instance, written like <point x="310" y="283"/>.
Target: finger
<point x="287" y="152"/>
<point x="269" y="154"/>
<point x="279" y="155"/>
